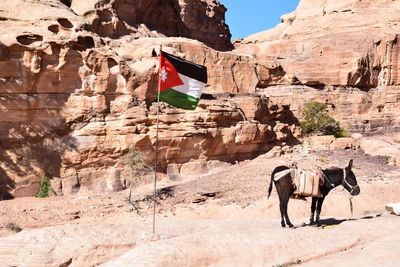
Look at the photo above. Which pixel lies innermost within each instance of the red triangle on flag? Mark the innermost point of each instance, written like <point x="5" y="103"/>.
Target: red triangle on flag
<point x="168" y="76"/>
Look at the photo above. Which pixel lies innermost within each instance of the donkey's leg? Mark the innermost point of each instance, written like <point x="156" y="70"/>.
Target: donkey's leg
<point x="286" y="214"/>
<point x="313" y="207"/>
<point x="319" y="207"/>
<point x="282" y="209"/>
<point x="283" y="205"/>
<point x="283" y="187"/>
<point x="282" y="202"/>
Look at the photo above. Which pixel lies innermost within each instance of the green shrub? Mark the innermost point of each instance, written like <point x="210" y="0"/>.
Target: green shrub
<point x="317" y="121"/>
<point x="45" y="187"/>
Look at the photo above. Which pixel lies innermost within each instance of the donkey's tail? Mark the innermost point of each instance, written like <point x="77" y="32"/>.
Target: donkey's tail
<point x="270" y="185"/>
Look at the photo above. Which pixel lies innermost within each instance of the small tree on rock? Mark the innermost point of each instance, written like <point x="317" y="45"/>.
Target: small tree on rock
<point x="317" y="120"/>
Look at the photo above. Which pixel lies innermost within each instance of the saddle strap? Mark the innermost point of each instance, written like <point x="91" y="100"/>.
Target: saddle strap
<point x="283" y="173"/>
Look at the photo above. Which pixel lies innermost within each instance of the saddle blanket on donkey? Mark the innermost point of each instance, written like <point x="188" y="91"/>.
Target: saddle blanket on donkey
<point x="306" y="182"/>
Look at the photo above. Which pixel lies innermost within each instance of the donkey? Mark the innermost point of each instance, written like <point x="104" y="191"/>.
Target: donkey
<point x="332" y="178"/>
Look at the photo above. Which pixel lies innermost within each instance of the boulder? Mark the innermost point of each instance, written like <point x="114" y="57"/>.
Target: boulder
<point x="393" y="208"/>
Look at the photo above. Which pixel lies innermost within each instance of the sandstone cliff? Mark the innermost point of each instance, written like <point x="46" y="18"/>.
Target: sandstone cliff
<point x="343" y="52"/>
<point x="77" y="93"/>
<point x="78" y="84"/>
<point x="201" y="20"/>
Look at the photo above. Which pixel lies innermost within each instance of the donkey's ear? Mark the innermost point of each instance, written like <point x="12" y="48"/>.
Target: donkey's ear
<point x="350" y="164"/>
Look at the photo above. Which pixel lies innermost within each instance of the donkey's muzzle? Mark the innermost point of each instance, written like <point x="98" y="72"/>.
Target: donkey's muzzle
<point x="355" y="191"/>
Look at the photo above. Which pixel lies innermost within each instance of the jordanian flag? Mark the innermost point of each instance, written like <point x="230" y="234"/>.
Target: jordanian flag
<point x="181" y="82"/>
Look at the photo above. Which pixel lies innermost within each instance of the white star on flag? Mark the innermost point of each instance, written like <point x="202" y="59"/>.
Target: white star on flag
<point x="163" y="75"/>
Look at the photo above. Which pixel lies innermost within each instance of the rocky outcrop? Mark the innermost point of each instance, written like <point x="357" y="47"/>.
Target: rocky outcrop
<point x="78" y="85"/>
<point x="340" y="52"/>
<point x="200" y="20"/>
<point x="314" y="48"/>
<point x="73" y="102"/>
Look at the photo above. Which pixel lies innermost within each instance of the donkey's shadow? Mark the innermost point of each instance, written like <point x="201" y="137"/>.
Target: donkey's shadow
<point x="335" y="222"/>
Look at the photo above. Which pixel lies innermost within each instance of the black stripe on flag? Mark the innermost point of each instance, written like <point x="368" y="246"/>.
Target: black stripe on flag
<point x="187" y="68"/>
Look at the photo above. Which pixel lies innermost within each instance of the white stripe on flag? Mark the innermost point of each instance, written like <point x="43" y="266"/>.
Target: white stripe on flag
<point x="190" y="87"/>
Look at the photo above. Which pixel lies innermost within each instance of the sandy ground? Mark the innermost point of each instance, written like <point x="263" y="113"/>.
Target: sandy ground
<point x="222" y="218"/>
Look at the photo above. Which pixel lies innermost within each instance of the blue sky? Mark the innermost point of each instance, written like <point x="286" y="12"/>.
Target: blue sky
<point x="247" y="17"/>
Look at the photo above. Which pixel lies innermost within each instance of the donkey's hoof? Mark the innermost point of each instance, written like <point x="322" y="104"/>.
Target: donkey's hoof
<point x="290" y="225"/>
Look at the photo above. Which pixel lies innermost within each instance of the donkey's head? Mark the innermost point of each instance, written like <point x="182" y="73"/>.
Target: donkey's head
<point x="349" y="180"/>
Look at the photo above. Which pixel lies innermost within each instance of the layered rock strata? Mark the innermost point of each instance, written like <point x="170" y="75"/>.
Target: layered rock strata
<point x="202" y="20"/>
<point x="78" y="84"/>
<point x="344" y="53"/>
<point x="74" y="103"/>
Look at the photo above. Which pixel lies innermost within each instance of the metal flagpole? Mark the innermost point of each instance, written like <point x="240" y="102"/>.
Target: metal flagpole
<point x="155" y="167"/>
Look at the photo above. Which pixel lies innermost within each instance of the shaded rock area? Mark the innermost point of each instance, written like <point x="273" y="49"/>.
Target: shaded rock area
<point x="202" y="20"/>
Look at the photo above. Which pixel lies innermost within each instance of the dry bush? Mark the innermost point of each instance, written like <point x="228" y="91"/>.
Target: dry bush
<point x="13" y="227"/>
<point x="140" y="170"/>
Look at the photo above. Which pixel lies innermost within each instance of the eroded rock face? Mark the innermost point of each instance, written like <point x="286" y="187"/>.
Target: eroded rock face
<point x="39" y="69"/>
<point x="78" y="85"/>
<point x="344" y="52"/>
<point x="73" y="102"/>
<point x="312" y="46"/>
<point x="200" y="20"/>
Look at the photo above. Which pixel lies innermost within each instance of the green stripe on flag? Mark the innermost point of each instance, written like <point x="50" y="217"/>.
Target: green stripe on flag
<point x="178" y="99"/>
